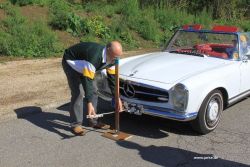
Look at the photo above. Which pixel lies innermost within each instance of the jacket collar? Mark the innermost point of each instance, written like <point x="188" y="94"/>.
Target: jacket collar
<point x="104" y="55"/>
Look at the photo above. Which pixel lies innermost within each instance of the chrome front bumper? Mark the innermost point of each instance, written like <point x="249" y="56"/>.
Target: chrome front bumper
<point x="171" y="115"/>
<point x="140" y="109"/>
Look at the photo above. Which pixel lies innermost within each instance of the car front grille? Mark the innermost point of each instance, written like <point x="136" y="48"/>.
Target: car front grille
<point x="143" y="92"/>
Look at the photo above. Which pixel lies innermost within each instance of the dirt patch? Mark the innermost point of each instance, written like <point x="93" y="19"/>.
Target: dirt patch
<point x="76" y="1"/>
<point x="19" y="98"/>
<point x="34" y="13"/>
<point x="66" y="38"/>
<point x="31" y="82"/>
<point x="2" y="14"/>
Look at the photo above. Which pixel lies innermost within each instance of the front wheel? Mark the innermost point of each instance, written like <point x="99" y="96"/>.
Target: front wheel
<point x="209" y="114"/>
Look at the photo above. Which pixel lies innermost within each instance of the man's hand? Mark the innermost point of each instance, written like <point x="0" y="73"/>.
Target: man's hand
<point x="121" y="109"/>
<point x="91" y="110"/>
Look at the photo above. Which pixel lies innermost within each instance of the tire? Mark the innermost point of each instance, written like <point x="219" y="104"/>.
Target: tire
<point x="209" y="114"/>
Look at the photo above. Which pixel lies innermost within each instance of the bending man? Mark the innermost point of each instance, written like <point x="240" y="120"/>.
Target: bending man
<point x="80" y="62"/>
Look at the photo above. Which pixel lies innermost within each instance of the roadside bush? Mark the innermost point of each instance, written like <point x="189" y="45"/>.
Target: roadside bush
<point x="109" y="10"/>
<point x="169" y="18"/>
<point x="130" y="8"/>
<point x="204" y="18"/>
<point x="63" y="19"/>
<point x="18" y="38"/>
<point x="97" y="31"/>
<point x="146" y="26"/>
<point x="100" y="8"/>
<point x="245" y="25"/>
<point x="76" y="25"/>
<point x="22" y="2"/>
<point x="90" y="38"/>
<point x="60" y="12"/>
<point x="120" y="31"/>
<point x="8" y="9"/>
<point x="141" y="21"/>
<point x="105" y="20"/>
<point x="93" y="7"/>
<point x="97" y="27"/>
<point x="29" y="2"/>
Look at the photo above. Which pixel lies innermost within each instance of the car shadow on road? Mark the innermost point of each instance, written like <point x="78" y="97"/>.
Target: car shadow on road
<point x="150" y="127"/>
<point x="170" y="156"/>
<point x="131" y="124"/>
<point x="53" y="122"/>
<point x="145" y="126"/>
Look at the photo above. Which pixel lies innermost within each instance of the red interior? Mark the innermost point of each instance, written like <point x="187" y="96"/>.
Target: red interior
<point x="213" y="45"/>
<point x="212" y="49"/>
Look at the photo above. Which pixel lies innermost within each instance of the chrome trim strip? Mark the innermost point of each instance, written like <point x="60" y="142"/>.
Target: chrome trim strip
<point x="170" y="115"/>
<point x="152" y="94"/>
<point x="238" y="97"/>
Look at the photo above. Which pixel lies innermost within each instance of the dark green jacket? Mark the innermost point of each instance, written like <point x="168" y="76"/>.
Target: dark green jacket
<point x="92" y="53"/>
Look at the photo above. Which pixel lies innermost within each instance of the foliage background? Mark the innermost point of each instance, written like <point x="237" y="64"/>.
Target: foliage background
<point x="136" y="23"/>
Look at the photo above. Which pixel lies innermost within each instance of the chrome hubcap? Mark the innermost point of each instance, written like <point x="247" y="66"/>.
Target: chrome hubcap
<point x="213" y="110"/>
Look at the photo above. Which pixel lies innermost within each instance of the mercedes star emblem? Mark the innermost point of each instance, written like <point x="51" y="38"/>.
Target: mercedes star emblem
<point x="129" y="90"/>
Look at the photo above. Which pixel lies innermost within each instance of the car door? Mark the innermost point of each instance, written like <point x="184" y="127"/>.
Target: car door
<point x="245" y="75"/>
<point x="245" y="62"/>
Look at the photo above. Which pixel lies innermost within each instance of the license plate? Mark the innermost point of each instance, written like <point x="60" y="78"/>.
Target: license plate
<point x="134" y="108"/>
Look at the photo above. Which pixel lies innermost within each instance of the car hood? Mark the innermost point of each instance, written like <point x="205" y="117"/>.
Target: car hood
<point x="168" y="67"/>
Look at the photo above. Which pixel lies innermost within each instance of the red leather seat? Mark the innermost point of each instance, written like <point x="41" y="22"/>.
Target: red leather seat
<point x="203" y="48"/>
<point x="207" y="49"/>
<point x="217" y="54"/>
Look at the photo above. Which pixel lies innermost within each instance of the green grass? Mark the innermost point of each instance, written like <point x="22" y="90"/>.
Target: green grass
<point x="133" y="22"/>
<point x="59" y="14"/>
<point x="19" y="38"/>
<point x="29" y="2"/>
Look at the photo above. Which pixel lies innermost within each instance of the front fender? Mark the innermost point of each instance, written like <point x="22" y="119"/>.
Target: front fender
<point x="201" y="85"/>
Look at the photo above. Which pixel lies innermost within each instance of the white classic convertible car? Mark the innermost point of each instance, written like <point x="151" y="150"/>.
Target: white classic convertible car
<point x="197" y="75"/>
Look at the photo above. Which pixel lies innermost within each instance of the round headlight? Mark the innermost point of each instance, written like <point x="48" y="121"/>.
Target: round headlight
<point x="180" y="97"/>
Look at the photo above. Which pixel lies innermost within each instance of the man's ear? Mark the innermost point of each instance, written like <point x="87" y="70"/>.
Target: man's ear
<point x="108" y="51"/>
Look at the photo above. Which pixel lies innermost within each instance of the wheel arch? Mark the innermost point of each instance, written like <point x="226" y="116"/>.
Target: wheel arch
<point x="224" y="95"/>
<point x="206" y="92"/>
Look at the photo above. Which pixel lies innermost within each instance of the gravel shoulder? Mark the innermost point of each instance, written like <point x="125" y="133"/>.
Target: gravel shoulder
<point x="39" y="82"/>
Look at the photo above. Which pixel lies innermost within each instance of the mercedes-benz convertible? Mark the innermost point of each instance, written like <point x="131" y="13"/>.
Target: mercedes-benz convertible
<point x="196" y="76"/>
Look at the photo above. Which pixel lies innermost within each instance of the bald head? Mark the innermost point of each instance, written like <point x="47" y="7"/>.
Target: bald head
<point x="114" y="49"/>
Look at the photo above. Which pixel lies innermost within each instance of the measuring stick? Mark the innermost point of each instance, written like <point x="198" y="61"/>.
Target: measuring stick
<point x="101" y="115"/>
<point x="117" y="96"/>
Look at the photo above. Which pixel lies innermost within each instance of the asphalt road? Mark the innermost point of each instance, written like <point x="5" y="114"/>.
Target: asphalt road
<point x="44" y="139"/>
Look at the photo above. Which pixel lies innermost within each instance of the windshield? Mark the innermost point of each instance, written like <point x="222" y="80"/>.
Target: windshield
<point x="219" y="45"/>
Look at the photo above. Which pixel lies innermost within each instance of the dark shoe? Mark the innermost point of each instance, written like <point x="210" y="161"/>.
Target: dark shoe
<point x="78" y="130"/>
<point x="100" y="125"/>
